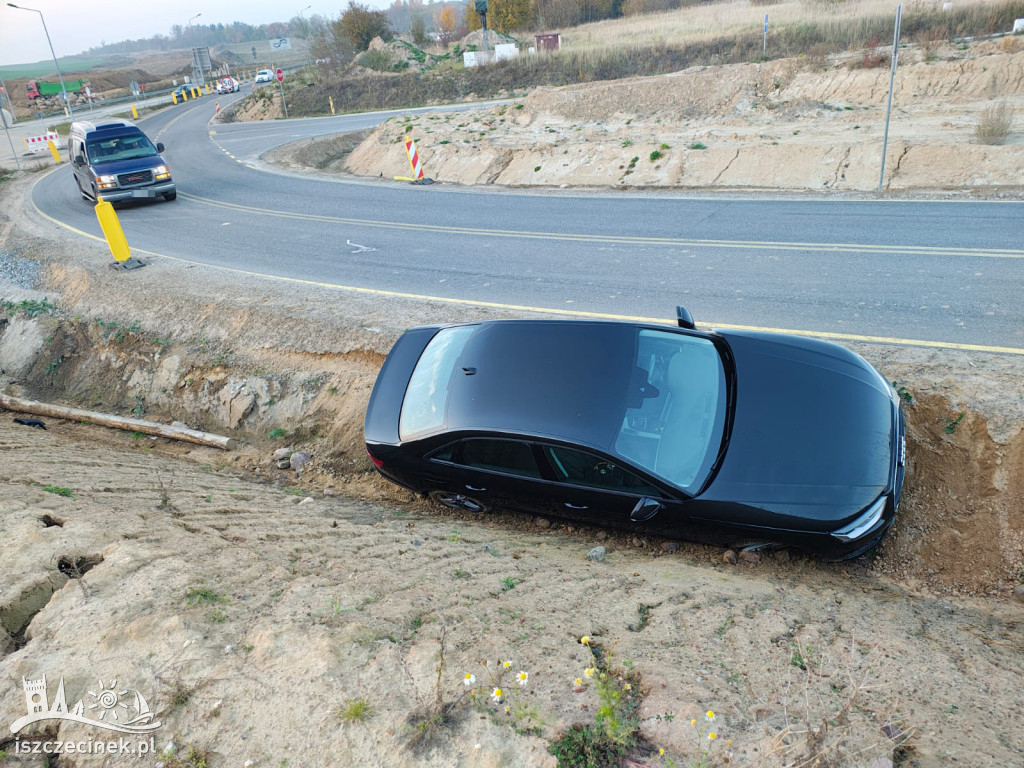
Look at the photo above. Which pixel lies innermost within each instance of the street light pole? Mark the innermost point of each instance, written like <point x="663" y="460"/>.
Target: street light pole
<point x="192" y="46"/>
<point x="63" y="90"/>
<point x="302" y="24"/>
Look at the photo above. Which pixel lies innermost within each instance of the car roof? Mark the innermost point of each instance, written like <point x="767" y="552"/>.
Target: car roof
<point x="561" y="379"/>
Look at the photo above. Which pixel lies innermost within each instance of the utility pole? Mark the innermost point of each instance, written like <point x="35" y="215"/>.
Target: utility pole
<point x="892" y="77"/>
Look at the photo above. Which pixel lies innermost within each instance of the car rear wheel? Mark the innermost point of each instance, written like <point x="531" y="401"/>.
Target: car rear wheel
<point x="458" y="501"/>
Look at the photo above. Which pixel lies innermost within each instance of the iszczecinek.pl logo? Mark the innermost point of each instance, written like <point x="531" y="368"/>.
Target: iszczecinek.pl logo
<point x="106" y="708"/>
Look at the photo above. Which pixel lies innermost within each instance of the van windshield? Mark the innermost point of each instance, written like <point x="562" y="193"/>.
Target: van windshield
<point x="111" y="150"/>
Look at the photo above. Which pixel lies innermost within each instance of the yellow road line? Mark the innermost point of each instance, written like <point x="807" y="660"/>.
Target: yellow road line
<point x="558" y="312"/>
<point x="903" y="250"/>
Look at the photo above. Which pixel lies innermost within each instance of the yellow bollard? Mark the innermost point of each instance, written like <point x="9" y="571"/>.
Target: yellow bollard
<point x="174" y="98"/>
<point x="111" y="227"/>
<point x="53" y="151"/>
<point x="331" y="99"/>
<point x="135" y="113"/>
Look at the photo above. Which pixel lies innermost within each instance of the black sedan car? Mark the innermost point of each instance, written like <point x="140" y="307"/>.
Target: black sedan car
<point x="734" y="438"/>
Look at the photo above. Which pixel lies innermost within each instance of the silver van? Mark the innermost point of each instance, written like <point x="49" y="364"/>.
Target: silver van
<point x="115" y="160"/>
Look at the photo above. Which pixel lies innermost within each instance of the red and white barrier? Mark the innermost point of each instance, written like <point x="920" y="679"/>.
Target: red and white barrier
<point x="414" y="158"/>
<point x="40" y="143"/>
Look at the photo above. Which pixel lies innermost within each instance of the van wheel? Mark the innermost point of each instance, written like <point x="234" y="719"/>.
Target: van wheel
<point x="171" y="196"/>
<point x="458" y="501"/>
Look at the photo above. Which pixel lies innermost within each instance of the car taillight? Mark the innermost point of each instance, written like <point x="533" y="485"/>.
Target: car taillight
<point x="376" y="462"/>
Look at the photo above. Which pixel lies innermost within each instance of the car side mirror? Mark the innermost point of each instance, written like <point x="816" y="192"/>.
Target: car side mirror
<point x="159" y="146"/>
<point x="645" y="509"/>
<point x="79" y="160"/>
<point x="684" y="319"/>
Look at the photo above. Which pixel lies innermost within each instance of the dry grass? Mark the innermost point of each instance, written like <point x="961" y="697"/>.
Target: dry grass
<point x="697" y="34"/>
<point x="994" y="124"/>
<point x="706" y="22"/>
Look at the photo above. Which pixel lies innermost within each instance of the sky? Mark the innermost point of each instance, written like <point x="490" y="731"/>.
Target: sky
<point x="77" y="25"/>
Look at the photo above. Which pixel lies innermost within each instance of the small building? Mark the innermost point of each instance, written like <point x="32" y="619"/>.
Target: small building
<point x="549" y="42"/>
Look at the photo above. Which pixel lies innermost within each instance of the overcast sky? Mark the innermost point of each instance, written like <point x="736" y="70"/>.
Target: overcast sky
<point x="77" y="25"/>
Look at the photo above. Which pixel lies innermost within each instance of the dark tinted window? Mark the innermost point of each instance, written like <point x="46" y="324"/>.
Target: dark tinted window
<point x="444" y="454"/>
<point x="582" y="468"/>
<point x="509" y="456"/>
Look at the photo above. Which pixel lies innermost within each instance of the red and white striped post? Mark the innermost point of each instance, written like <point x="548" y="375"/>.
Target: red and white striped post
<point x="414" y="158"/>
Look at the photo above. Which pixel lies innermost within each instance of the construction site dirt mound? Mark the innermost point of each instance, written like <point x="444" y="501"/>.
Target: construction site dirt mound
<point x="793" y="125"/>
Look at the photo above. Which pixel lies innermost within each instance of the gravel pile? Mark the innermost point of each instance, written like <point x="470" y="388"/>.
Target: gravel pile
<point x="19" y="272"/>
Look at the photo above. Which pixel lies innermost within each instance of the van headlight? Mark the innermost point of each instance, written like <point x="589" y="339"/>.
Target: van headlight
<point x="106" y="182"/>
<point x="161" y="172"/>
<point x="868" y="520"/>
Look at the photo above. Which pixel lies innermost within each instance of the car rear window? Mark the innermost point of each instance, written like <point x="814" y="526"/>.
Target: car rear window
<point x="674" y="429"/>
<point x="423" y="409"/>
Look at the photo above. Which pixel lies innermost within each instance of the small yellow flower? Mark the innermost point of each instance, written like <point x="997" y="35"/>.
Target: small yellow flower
<point x="522" y="677"/>
<point x="589" y="671"/>
<point x="585" y="640"/>
<point x="710" y="716"/>
<point x="627" y="687"/>
<point x="508" y="710"/>
<point x="497" y="694"/>
<point x="469" y="679"/>
<point x="712" y="736"/>
<point x="693" y="722"/>
<point x="507" y="664"/>
<point x="661" y="751"/>
<point x="578" y="681"/>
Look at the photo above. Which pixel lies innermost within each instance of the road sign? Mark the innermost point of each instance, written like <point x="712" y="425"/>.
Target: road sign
<point x="280" y="76"/>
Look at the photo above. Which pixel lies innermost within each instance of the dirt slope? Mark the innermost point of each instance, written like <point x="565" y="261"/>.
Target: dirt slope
<point x="255" y="620"/>
<point x="787" y="124"/>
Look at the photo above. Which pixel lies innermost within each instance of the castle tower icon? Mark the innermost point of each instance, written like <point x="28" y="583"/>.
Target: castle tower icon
<point x="35" y="695"/>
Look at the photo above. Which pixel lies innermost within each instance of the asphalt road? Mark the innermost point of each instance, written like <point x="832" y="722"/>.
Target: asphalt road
<point x="944" y="273"/>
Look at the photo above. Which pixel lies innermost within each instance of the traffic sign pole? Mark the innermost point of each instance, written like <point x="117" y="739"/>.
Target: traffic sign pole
<point x="280" y="80"/>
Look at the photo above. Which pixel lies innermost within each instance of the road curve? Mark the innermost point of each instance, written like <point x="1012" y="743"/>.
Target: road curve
<point x="936" y="273"/>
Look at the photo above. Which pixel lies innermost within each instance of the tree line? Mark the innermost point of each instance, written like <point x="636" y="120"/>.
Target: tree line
<point x="443" y="21"/>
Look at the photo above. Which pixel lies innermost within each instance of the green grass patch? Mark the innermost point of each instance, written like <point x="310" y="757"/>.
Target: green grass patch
<point x="204" y="596"/>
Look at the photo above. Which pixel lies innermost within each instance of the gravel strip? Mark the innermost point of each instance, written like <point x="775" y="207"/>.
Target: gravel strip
<point x="18" y="272"/>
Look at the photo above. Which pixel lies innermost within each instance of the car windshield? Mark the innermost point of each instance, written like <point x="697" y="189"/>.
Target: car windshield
<point x="674" y="424"/>
<point x="119" y="148"/>
<point x="426" y="397"/>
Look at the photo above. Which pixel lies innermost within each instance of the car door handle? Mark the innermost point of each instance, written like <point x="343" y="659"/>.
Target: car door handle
<point x="576" y="506"/>
<point x="474" y="488"/>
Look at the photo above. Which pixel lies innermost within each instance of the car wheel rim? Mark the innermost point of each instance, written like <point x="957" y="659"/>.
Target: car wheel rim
<point x="458" y="501"/>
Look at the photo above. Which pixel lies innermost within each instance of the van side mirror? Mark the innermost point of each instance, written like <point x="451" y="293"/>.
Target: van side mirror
<point x="79" y="160"/>
<point x="159" y="146"/>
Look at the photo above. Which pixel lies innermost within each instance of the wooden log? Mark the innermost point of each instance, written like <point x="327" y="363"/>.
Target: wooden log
<point x="118" y="422"/>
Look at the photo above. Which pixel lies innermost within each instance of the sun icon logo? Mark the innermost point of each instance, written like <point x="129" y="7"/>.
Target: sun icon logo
<point x="107" y="700"/>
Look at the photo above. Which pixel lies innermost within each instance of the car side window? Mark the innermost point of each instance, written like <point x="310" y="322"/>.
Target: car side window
<point x="447" y="453"/>
<point x="511" y="456"/>
<point x="582" y="468"/>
